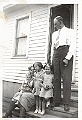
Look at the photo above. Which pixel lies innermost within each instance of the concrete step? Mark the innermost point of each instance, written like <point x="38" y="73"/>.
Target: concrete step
<point x="31" y="114"/>
<point x="73" y="101"/>
<point x="59" y="111"/>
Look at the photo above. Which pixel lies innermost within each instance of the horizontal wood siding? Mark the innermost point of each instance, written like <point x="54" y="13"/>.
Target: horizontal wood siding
<point x="15" y="69"/>
<point x="77" y="50"/>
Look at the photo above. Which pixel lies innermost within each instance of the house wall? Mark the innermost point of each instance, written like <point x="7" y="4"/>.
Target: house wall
<point x="14" y="69"/>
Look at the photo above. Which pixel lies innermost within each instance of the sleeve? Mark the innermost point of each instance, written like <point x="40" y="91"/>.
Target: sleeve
<point x="72" y="46"/>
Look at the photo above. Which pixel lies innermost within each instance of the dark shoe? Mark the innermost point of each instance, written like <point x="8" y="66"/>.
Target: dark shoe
<point x="66" y="107"/>
<point x="5" y="116"/>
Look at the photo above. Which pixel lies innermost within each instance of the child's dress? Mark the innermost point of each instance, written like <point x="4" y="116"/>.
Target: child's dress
<point x="38" y="79"/>
<point x="47" y="93"/>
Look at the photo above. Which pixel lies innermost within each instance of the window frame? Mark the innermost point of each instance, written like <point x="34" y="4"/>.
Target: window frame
<point x="15" y="34"/>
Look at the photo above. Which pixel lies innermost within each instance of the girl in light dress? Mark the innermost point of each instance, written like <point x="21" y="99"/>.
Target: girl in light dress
<point x="47" y="88"/>
<point x="37" y="84"/>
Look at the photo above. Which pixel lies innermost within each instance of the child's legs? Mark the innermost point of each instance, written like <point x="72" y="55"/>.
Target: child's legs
<point x="43" y="104"/>
<point x="37" y="101"/>
<point x="47" y="99"/>
<point x="40" y="103"/>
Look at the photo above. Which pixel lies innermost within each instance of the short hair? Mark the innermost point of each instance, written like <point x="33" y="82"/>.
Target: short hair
<point x="58" y="18"/>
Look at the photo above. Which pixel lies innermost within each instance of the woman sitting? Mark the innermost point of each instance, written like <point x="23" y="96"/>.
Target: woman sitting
<point x="26" y="98"/>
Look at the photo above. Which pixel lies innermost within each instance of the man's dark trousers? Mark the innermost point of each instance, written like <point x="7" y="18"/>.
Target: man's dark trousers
<point x="62" y="71"/>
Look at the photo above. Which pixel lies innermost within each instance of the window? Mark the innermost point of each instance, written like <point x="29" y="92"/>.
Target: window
<point x="22" y="36"/>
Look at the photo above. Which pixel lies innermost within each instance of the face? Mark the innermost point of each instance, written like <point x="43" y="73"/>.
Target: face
<point x="37" y="68"/>
<point x="57" y="24"/>
<point x="32" y="70"/>
<point x="28" y="78"/>
<point x="47" y="70"/>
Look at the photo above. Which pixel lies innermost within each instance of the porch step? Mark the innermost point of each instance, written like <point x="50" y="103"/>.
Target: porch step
<point x="31" y="114"/>
<point x="59" y="111"/>
<point x="46" y="115"/>
<point x="73" y="101"/>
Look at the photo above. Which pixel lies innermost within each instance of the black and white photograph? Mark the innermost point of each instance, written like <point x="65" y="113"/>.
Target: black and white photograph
<point x="40" y="42"/>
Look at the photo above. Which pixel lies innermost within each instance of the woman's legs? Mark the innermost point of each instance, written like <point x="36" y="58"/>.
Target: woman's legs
<point x="22" y="111"/>
<point x="11" y="108"/>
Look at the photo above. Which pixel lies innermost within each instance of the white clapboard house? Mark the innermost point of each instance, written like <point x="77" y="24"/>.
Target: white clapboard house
<point x="28" y="32"/>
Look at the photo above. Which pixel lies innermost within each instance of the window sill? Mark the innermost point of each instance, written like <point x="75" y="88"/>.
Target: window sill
<point x="14" y="81"/>
<point x="19" y="57"/>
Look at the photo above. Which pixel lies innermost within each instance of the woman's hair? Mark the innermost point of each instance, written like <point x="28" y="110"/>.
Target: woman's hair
<point x="39" y="64"/>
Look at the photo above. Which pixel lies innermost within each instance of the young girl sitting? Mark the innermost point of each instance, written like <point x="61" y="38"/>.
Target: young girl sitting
<point x="47" y="89"/>
<point x="37" y="84"/>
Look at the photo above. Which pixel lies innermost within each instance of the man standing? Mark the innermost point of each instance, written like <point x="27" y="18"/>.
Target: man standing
<point x="62" y="51"/>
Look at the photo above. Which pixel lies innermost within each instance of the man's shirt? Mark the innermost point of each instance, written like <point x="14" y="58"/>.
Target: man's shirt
<point x="64" y="36"/>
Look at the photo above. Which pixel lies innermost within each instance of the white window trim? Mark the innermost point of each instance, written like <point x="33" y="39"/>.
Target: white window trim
<point x="75" y="29"/>
<point x="14" y="37"/>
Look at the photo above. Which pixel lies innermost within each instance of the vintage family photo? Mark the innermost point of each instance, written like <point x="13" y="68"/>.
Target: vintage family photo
<point x="40" y="61"/>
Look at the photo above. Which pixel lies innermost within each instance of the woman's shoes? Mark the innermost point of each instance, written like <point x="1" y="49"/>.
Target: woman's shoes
<point x="5" y="116"/>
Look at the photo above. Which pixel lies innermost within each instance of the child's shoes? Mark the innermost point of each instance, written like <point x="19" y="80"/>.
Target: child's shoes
<point x="43" y="112"/>
<point x="36" y="111"/>
<point x="39" y="111"/>
<point x="48" y="103"/>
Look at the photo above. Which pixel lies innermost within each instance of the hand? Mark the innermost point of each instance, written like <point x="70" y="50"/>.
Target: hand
<point x="19" y="89"/>
<point x="65" y="61"/>
<point x="46" y="87"/>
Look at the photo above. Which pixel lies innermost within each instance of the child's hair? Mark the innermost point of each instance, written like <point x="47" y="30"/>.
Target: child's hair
<point x="39" y="64"/>
<point x="48" y="65"/>
<point x="29" y="68"/>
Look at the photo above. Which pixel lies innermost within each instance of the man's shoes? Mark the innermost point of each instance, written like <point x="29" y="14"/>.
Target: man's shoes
<point x="66" y="107"/>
